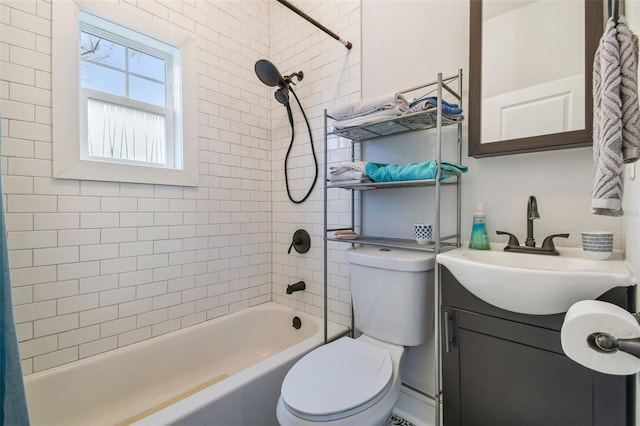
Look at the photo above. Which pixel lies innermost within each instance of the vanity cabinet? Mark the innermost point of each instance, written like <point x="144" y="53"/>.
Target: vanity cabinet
<point x="505" y="368"/>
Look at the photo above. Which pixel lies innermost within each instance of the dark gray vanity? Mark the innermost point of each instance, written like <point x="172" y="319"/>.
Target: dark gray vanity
<point x="506" y="368"/>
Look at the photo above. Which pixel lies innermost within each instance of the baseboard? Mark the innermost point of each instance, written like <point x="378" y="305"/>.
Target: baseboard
<point x="415" y="408"/>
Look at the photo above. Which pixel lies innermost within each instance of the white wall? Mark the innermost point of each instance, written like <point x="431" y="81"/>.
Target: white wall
<point x="561" y="180"/>
<point x="434" y="37"/>
<point x="96" y="266"/>
<point x="331" y="76"/>
<point x="631" y="200"/>
<point x="405" y="44"/>
<point x="100" y="265"/>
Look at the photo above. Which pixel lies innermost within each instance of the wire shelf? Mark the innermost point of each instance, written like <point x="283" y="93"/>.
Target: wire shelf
<point x="421" y="120"/>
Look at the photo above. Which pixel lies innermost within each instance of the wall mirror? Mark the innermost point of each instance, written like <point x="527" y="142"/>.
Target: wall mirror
<point x="530" y="74"/>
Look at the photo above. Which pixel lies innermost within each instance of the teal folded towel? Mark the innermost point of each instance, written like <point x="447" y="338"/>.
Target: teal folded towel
<point x="379" y="172"/>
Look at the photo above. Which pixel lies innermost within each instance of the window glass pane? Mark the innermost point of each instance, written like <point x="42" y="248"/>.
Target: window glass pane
<point x="146" y="65"/>
<point x="119" y="132"/>
<point x="101" y="50"/>
<point x="144" y="90"/>
<point x="97" y="77"/>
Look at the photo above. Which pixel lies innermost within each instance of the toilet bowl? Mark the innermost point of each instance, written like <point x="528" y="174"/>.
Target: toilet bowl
<point x="357" y="382"/>
<point x="346" y="382"/>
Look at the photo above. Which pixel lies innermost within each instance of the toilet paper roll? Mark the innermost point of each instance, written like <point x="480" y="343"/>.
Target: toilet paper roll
<point x="587" y="317"/>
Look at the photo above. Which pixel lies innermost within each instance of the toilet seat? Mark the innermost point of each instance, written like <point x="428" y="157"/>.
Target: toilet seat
<point x="337" y="380"/>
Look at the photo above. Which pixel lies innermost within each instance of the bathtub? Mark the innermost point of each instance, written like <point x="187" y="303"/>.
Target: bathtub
<point x="226" y="371"/>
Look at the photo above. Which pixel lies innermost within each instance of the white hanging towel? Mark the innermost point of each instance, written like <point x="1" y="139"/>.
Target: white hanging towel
<point x="628" y="43"/>
<point x="607" y="126"/>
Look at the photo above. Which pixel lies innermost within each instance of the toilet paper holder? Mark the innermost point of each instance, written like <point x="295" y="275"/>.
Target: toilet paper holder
<point x="605" y="342"/>
<point x="602" y="336"/>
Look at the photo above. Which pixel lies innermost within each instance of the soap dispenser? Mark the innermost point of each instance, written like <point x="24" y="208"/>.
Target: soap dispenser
<point x="479" y="236"/>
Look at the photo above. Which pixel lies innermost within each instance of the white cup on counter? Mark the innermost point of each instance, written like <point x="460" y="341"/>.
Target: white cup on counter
<point x="423" y="232"/>
<point x="597" y="245"/>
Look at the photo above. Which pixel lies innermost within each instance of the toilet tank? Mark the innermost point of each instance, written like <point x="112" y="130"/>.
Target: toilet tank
<point x="392" y="291"/>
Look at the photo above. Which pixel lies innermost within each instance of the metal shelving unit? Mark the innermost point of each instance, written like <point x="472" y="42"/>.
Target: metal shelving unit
<point x="427" y="121"/>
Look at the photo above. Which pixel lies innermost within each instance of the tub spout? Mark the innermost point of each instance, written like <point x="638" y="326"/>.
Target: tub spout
<point x="300" y="285"/>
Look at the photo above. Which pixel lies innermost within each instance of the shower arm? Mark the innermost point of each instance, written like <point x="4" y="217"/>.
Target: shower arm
<point x="297" y="11"/>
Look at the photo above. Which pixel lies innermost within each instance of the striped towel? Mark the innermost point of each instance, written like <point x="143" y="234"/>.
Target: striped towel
<point x="628" y="43"/>
<point x="607" y="126"/>
<point x="432" y="102"/>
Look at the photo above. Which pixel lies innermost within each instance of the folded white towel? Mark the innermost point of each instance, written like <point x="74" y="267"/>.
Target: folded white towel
<point x="628" y="42"/>
<point x="369" y="105"/>
<point x="371" y="118"/>
<point x="607" y="126"/>
<point x="348" y="175"/>
<point x="351" y="171"/>
<point x="357" y="166"/>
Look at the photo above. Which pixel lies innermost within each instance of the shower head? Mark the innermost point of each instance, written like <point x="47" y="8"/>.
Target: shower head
<point x="282" y="95"/>
<point x="269" y="75"/>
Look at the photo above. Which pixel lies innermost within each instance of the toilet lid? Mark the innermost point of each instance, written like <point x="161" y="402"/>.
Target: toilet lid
<point x="336" y="378"/>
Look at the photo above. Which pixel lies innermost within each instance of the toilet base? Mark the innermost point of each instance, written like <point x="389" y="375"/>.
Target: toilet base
<point x="376" y="415"/>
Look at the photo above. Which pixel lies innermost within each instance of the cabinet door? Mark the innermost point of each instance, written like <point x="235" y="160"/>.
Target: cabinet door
<point x="499" y="372"/>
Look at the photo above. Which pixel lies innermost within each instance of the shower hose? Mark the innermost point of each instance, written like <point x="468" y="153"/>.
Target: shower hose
<point x="313" y="152"/>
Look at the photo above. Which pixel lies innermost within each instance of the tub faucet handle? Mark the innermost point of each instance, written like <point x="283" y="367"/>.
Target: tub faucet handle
<point x="301" y="241"/>
<point x="295" y="242"/>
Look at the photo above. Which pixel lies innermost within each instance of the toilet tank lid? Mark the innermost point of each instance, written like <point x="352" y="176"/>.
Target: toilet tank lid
<point x="391" y="258"/>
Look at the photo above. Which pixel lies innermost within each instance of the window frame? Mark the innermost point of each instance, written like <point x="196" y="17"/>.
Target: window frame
<point x="70" y="159"/>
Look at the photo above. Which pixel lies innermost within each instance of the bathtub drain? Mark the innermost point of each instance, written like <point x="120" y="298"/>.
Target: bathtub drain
<point x="297" y="323"/>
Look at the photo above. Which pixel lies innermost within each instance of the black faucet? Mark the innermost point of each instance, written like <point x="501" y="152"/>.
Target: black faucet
<point x="530" y="243"/>
<point x="532" y="213"/>
<point x="300" y="285"/>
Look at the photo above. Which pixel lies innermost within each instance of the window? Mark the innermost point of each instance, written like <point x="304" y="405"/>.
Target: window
<point x="133" y="116"/>
<point x="126" y="95"/>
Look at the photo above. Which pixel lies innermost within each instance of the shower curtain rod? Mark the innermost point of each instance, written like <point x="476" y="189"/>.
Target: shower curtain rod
<point x="346" y="43"/>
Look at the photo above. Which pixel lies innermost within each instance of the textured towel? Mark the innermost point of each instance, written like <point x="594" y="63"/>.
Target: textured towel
<point x="380" y="172"/>
<point x="357" y="166"/>
<point x="371" y="118"/>
<point x="628" y="43"/>
<point x="347" y="171"/>
<point x="369" y="105"/>
<point x="347" y="175"/>
<point x="607" y="126"/>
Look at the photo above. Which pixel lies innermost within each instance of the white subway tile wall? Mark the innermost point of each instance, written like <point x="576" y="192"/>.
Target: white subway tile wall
<point x="100" y="265"/>
<point x="331" y="77"/>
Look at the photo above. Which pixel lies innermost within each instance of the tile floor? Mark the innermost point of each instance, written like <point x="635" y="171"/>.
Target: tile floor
<point x="395" y="420"/>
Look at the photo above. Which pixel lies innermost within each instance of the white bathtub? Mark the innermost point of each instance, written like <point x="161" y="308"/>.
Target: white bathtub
<point x="226" y="371"/>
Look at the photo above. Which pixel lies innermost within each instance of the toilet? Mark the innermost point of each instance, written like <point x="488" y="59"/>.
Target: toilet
<point x="357" y="381"/>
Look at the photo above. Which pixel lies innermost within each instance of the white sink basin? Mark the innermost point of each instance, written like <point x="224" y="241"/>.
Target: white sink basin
<point x="533" y="283"/>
